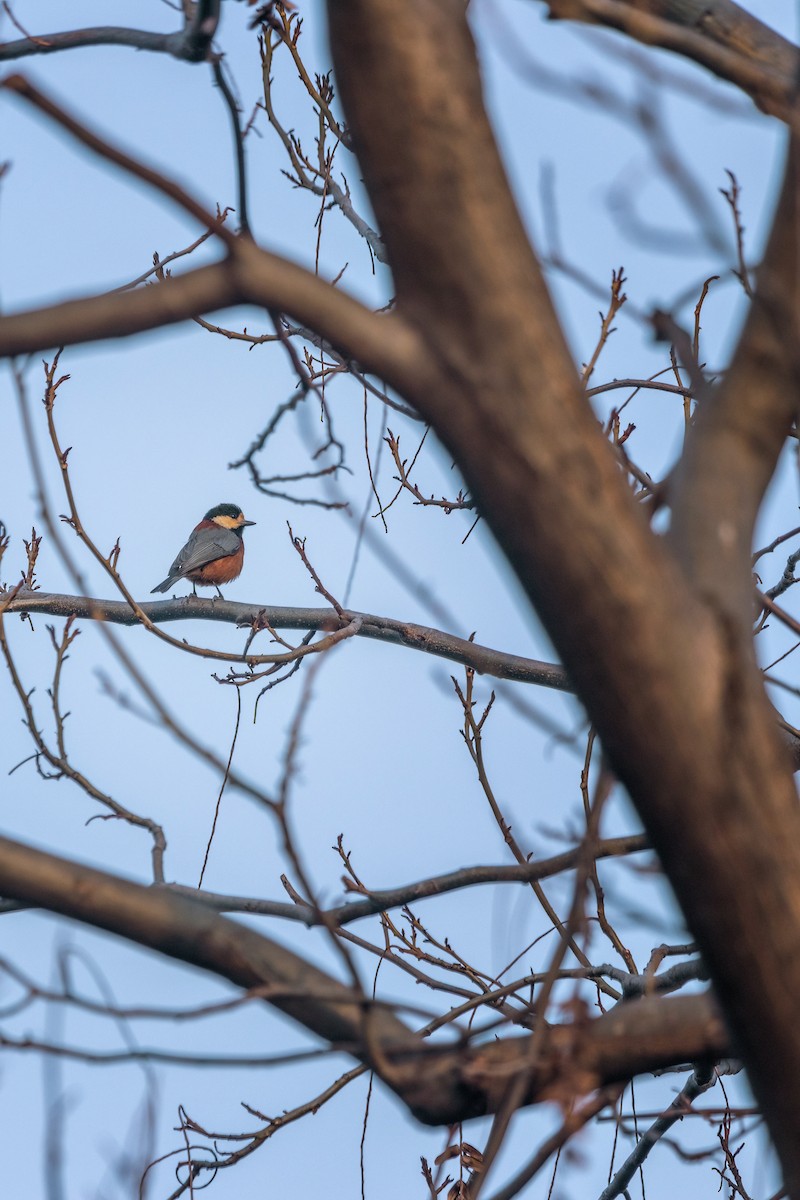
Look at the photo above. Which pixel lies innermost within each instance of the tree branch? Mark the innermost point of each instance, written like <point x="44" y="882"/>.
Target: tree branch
<point x="120" y="314"/>
<point x="634" y="1037"/>
<point x="380" y="343"/>
<point x="250" y="275"/>
<point x="440" y="1084"/>
<point x="387" y="898"/>
<point x="697" y="1083"/>
<point x="385" y="629"/>
<point x="183" y="929"/>
<point x="672" y="689"/>
<point x="191" y="44"/>
<point x="18" y="85"/>
<point x="742" y="426"/>
<point x="717" y="34"/>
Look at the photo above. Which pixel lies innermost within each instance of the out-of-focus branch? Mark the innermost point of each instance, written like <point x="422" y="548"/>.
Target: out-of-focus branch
<point x="18" y="85"/>
<point x="249" y="275"/>
<point x="439" y="1084"/>
<point x="386" y="629"/>
<point x="674" y="692"/>
<point x="717" y="34"/>
<point x="742" y="426"/>
<point x="119" y="315"/>
<point x="183" y="929"/>
<point x="191" y="44"/>
<point x="383" y="344"/>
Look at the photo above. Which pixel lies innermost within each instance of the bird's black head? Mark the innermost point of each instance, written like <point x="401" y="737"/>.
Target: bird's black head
<point x="229" y="516"/>
<point x="224" y="510"/>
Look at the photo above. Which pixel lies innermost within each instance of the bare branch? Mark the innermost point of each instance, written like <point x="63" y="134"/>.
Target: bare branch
<point x="238" y="140"/>
<point x="385" y="629"/>
<point x="22" y="87"/>
<point x="388" y="898"/>
<point x="191" y="44"/>
<point x="717" y="34"/>
<point x="742" y="426"/>
<point x="250" y="275"/>
<point x="697" y="1083"/>
<point x="183" y="929"/>
<point x="659" y="666"/>
<point x="440" y="1085"/>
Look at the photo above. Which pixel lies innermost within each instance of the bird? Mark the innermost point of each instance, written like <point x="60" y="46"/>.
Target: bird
<point x="214" y="552"/>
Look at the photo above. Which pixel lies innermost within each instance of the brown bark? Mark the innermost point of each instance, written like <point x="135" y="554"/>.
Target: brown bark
<point x="441" y="1085"/>
<point x="411" y="636"/>
<point x="742" y="426"/>
<point x="717" y="34"/>
<point x="655" y="635"/>
<point x="668" y="679"/>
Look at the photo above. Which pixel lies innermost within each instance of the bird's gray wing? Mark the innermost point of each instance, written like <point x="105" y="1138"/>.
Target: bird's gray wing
<point x="204" y="546"/>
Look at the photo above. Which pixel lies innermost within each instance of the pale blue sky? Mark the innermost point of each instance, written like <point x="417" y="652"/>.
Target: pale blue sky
<point x="154" y="423"/>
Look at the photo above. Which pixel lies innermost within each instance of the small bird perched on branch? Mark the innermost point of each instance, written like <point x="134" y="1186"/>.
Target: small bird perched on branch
<point x="214" y="552"/>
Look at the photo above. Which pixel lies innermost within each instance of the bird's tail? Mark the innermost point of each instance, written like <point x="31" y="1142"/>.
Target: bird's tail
<point x="167" y="583"/>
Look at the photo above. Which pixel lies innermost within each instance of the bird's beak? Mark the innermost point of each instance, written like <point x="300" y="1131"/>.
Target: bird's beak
<point x="248" y="522"/>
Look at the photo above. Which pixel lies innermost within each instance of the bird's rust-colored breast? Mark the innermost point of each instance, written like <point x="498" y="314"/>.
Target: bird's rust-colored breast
<point x="221" y="570"/>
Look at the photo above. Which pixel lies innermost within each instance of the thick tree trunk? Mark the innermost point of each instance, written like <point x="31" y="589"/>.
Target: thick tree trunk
<point x="667" y="673"/>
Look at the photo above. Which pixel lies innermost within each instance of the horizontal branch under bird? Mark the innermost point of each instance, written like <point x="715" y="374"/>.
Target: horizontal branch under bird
<point x="482" y="659"/>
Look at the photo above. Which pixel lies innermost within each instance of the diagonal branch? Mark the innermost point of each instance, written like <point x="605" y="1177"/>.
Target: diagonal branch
<point x="249" y="275"/>
<point x="383" y="344"/>
<point x="111" y="315"/>
<point x="742" y="426"/>
<point x="18" y="85"/>
<point x="387" y="898"/>
<point x="669" y="682"/>
<point x="697" y="1083"/>
<point x="717" y="34"/>
<point x="185" y="930"/>
<point x="440" y="1084"/>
